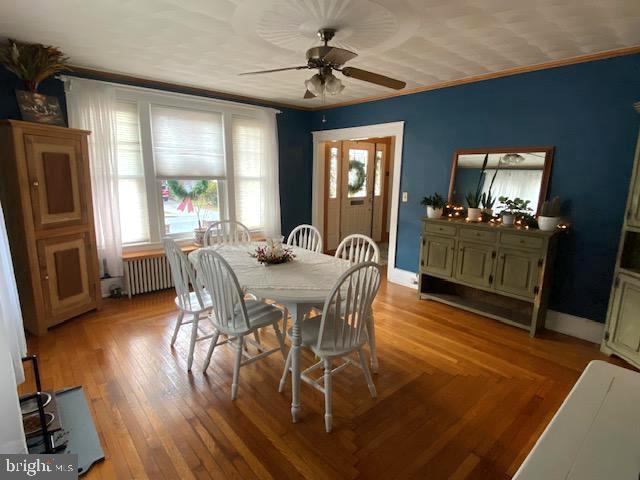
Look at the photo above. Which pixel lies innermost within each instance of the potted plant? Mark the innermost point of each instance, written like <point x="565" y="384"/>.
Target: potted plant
<point x="487" y="201"/>
<point x="33" y="63"/>
<point x="196" y="199"/>
<point x="513" y="208"/>
<point x="474" y="212"/>
<point x="549" y="215"/>
<point x="434" y="204"/>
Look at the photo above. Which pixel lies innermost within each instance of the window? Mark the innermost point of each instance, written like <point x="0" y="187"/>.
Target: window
<point x="377" y="186"/>
<point x="188" y="153"/>
<point x="134" y="217"/>
<point x="186" y="162"/>
<point x="357" y="174"/>
<point x="333" y="172"/>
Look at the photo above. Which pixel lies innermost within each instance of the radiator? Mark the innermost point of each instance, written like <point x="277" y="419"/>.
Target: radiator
<point x="147" y="275"/>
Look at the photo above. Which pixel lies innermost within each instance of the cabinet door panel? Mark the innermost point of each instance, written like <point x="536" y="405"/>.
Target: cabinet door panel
<point x="57" y="181"/>
<point x="67" y="277"/>
<point x="437" y="255"/>
<point x="625" y="316"/>
<point x="517" y="272"/>
<point x="475" y="263"/>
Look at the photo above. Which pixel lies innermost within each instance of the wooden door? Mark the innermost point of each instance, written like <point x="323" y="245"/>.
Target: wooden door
<point x="437" y="256"/>
<point x="332" y="196"/>
<point x="56" y="181"/>
<point x="356" y="188"/>
<point x="624" y="330"/>
<point x="517" y="272"/>
<point x="475" y="263"/>
<point x="68" y="279"/>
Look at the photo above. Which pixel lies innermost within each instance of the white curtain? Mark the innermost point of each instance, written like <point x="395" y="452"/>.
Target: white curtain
<point x="12" y="348"/>
<point x="255" y="161"/>
<point x="92" y="106"/>
<point x="524" y="184"/>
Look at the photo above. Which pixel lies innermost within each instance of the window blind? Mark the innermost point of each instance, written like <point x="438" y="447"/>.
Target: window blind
<point x="134" y="214"/>
<point x="187" y="144"/>
<point x="248" y="164"/>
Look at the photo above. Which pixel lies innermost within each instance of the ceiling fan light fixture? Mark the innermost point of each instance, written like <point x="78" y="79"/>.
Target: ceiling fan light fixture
<point x="333" y="85"/>
<point x="315" y="85"/>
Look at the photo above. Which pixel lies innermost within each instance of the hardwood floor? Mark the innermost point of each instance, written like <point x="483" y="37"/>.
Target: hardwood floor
<point x="459" y="396"/>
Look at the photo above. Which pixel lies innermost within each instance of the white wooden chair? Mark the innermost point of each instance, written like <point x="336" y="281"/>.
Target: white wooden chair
<point x="359" y="248"/>
<point x="226" y="232"/>
<point x="233" y="315"/>
<point x="307" y="237"/>
<point x="196" y="303"/>
<point x="340" y="330"/>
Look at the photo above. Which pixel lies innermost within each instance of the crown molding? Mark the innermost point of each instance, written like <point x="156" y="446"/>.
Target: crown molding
<point x="131" y="80"/>
<point x="206" y="92"/>
<point x="488" y="76"/>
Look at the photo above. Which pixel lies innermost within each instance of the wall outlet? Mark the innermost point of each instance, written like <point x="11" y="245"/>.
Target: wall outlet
<point x="405" y="197"/>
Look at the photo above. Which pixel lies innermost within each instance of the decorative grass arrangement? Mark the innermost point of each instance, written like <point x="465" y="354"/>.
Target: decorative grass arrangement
<point x="32" y="62"/>
<point x="273" y="253"/>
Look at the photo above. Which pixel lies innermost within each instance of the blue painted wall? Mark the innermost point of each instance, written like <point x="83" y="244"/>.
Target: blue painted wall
<point x="294" y="140"/>
<point x="584" y="110"/>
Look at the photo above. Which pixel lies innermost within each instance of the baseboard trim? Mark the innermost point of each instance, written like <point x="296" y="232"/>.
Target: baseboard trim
<point x="579" y="327"/>
<point x="402" y="277"/>
<point x="565" y="323"/>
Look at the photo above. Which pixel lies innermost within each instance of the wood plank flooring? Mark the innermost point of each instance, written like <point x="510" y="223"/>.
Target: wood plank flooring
<point x="459" y="396"/>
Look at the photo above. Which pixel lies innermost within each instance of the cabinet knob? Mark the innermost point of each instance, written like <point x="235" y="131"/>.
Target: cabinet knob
<point x="46" y="277"/>
<point x="36" y="184"/>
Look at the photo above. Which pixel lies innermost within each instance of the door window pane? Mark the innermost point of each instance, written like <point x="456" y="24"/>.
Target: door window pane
<point x="357" y="175"/>
<point x="333" y="172"/>
<point x="377" y="186"/>
<point x="188" y="204"/>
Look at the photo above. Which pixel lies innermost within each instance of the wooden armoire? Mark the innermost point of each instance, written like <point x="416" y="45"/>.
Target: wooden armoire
<point x="45" y="190"/>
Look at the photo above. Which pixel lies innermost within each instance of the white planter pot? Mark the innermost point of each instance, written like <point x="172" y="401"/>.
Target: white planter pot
<point x="488" y="211"/>
<point x="548" y="223"/>
<point x="508" y="219"/>
<point x="198" y="235"/>
<point x="474" y="214"/>
<point x="434" y="212"/>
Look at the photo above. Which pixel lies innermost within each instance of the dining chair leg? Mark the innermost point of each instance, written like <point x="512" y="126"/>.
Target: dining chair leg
<point x="177" y="327"/>
<point x="236" y="367"/>
<point x="280" y="340"/>
<point x="328" y="407"/>
<point x="371" y="332"/>
<point x="214" y="342"/>
<point x="194" y="336"/>
<point x="256" y="336"/>
<point x="285" y="374"/>
<point x="367" y="373"/>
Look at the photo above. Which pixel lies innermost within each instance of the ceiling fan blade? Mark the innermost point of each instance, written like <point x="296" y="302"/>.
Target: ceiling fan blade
<point x="308" y="94"/>
<point x="275" y="70"/>
<point x="371" y="77"/>
<point x="339" y="56"/>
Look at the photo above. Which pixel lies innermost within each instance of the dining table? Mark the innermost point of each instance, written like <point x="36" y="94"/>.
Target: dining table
<point x="298" y="285"/>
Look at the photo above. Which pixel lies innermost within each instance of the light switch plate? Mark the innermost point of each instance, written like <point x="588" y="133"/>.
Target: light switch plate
<point x="405" y="197"/>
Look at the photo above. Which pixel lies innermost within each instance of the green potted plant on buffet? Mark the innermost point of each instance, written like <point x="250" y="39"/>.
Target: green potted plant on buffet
<point x="549" y="215"/>
<point x="511" y="209"/>
<point x="474" y="198"/>
<point x="434" y="204"/>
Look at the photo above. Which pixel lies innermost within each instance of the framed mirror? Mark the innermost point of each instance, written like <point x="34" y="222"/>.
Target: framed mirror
<point x="514" y="172"/>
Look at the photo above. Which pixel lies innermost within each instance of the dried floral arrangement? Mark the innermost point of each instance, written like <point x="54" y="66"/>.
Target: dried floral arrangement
<point x="273" y="253"/>
<point x="32" y="62"/>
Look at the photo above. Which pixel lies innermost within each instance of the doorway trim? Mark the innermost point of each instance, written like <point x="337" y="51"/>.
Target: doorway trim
<point x="393" y="129"/>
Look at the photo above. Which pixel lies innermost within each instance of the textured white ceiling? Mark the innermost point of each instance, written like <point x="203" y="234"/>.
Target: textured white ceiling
<point x="206" y="43"/>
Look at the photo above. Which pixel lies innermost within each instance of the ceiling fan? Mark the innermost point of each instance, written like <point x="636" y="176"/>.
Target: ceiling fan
<point x="326" y="59"/>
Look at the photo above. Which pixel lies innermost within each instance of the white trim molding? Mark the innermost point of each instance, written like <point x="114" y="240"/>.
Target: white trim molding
<point x="579" y="327"/>
<point x="393" y="129"/>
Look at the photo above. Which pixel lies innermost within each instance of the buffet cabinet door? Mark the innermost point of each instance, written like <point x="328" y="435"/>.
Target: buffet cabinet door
<point x="437" y="256"/>
<point x="517" y="272"/>
<point x="475" y="263"/>
<point x="67" y="282"/>
<point x="56" y="179"/>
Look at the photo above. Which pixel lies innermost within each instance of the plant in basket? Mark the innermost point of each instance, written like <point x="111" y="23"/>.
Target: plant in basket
<point x="273" y="253"/>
